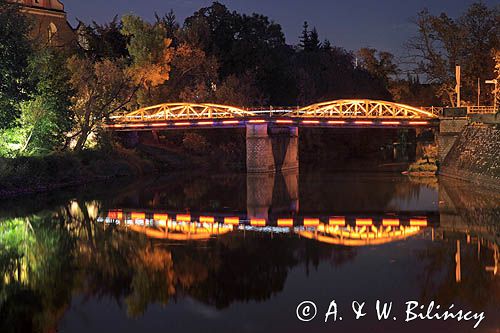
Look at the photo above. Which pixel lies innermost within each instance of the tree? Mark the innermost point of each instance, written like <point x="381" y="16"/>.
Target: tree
<point x="193" y="74"/>
<point x="47" y="114"/>
<point x="243" y="44"/>
<point x="45" y="118"/>
<point x="103" y="41"/>
<point x="314" y="42"/>
<point x="169" y="23"/>
<point x="100" y="89"/>
<point x="304" y="37"/>
<point x="151" y="54"/>
<point x="15" y="49"/>
<point x="442" y="43"/>
<point x="380" y="64"/>
<point x="239" y="91"/>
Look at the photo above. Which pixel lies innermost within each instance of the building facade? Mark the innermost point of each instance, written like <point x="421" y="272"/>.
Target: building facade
<point x="49" y="22"/>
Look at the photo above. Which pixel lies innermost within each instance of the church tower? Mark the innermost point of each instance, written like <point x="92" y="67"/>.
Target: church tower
<point x="49" y="22"/>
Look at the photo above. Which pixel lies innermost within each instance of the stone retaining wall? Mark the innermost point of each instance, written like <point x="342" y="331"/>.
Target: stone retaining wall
<point x="475" y="156"/>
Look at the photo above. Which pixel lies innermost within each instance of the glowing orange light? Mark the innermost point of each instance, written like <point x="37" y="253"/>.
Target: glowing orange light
<point x="183" y="218"/>
<point x="363" y="122"/>
<point x="162" y="223"/>
<point x="182" y="124"/>
<point x="115" y="214"/>
<point x="207" y="219"/>
<point x="390" y="222"/>
<point x="232" y="220"/>
<point x="418" y="122"/>
<point x="364" y="222"/>
<point x="390" y="123"/>
<point x="138" y="216"/>
<point x="159" y="124"/>
<point x="418" y="222"/>
<point x="136" y="125"/>
<point x="258" y="222"/>
<point x="336" y="122"/>
<point x="257" y="121"/>
<point x="201" y="123"/>
<point x="338" y="221"/>
<point x="310" y="222"/>
<point x="284" y="121"/>
<point x="230" y="122"/>
<point x="285" y="222"/>
<point x="160" y="217"/>
<point x="312" y="122"/>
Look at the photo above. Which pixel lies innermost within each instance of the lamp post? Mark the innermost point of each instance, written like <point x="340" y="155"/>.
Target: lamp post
<point x="495" y="82"/>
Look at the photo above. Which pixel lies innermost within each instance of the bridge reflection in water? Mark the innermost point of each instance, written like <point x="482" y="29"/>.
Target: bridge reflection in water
<point x="272" y="206"/>
<point x="359" y="235"/>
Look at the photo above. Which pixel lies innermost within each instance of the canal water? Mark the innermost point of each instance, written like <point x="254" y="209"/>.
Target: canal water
<point x="240" y="253"/>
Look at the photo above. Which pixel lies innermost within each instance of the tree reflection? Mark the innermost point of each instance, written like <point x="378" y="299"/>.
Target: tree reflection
<point x="46" y="259"/>
<point x="468" y="222"/>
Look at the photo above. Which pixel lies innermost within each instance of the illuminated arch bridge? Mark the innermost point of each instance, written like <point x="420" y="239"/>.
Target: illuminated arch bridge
<point x="346" y="112"/>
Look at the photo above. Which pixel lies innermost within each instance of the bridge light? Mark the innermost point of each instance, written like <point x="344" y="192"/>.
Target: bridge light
<point x="337" y="221"/>
<point x="363" y="122"/>
<point x="232" y="220"/>
<point x="159" y="124"/>
<point x="257" y="222"/>
<point x="205" y="123"/>
<point x="115" y="214"/>
<point x="135" y="125"/>
<point x="285" y="222"/>
<point x="182" y="124"/>
<point x="418" y="122"/>
<point x="336" y="122"/>
<point x="257" y="121"/>
<point x="284" y="121"/>
<point x="138" y="216"/>
<point x="310" y="122"/>
<point x="160" y="217"/>
<point x="364" y="222"/>
<point x="183" y="218"/>
<point x="390" y="123"/>
<point x="311" y="222"/>
<point x="418" y="222"/>
<point x="390" y="222"/>
<point x="230" y="122"/>
<point x="207" y="219"/>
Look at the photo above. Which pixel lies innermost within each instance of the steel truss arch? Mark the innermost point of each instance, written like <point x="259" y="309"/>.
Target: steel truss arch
<point x="362" y="108"/>
<point x="183" y="111"/>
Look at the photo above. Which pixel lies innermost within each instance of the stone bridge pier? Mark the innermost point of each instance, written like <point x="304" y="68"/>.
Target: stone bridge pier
<point x="271" y="149"/>
<point x="449" y="130"/>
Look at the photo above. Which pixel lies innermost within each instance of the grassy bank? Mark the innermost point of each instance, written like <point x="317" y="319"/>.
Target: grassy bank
<point x="26" y="175"/>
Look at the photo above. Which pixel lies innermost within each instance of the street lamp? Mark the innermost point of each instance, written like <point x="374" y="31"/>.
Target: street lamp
<point x="495" y="82"/>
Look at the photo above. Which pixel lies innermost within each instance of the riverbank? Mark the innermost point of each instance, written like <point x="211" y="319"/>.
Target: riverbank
<point x="29" y="175"/>
<point x="475" y="156"/>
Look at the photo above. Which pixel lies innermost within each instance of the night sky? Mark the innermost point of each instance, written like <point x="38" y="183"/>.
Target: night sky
<point x="383" y="24"/>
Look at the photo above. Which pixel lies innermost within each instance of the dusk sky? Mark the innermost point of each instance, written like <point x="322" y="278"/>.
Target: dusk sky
<point x="384" y="24"/>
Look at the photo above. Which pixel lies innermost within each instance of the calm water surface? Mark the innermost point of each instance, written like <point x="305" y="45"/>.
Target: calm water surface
<point x="238" y="253"/>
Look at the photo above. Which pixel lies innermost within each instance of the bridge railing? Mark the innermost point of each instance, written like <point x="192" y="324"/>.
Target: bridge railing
<point x="435" y="110"/>
<point x="481" y="109"/>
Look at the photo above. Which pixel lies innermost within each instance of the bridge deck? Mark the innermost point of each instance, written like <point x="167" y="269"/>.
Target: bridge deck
<point x="339" y="122"/>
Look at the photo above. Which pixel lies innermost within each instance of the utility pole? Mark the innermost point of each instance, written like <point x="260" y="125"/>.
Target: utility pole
<point x="478" y="91"/>
<point x="457" y="88"/>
